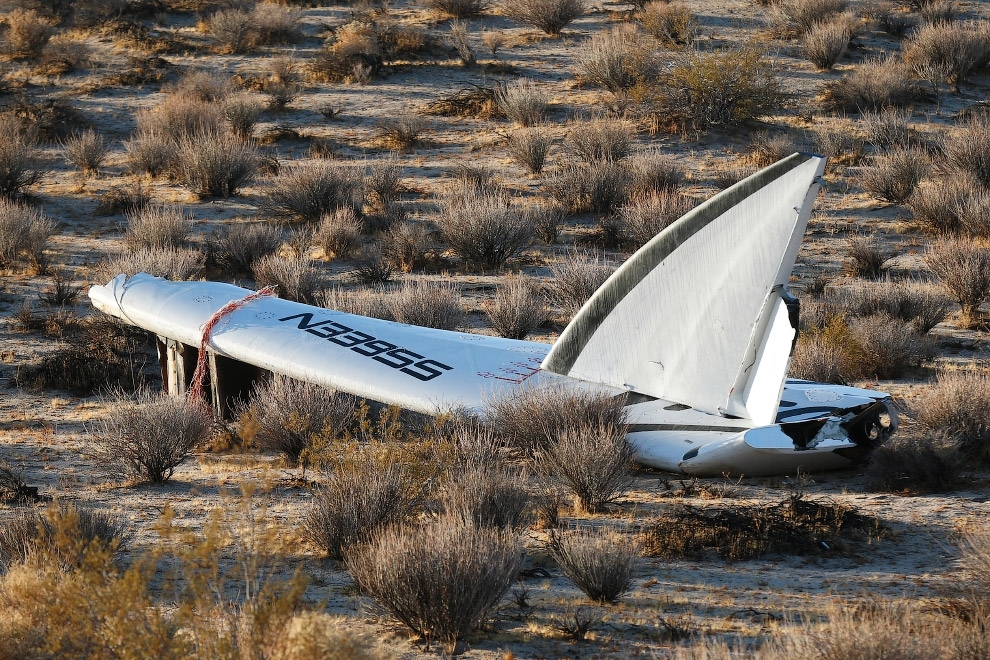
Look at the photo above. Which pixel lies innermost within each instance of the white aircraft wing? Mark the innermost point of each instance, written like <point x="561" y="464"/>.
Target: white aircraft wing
<point x="417" y="368"/>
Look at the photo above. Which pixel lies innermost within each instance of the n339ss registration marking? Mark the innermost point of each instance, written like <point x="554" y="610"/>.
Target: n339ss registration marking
<point x="389" y="354"/>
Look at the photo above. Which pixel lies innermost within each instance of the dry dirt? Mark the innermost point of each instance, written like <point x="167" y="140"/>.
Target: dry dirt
<point x="45" y="434"/>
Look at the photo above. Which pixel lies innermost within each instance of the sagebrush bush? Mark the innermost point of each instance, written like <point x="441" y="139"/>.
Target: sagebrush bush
<point x="612" y="58"/>
<point x="574" y="277"/>
<point x="383" y="182"/>
<point x="866" y="257"/>
<point x="915" y="463"/>
<point x="958" y="404"/>
<point x="441" y="579"/>
<point x="796" y="17"/>
<point x="362" y="302"/>
<point x="522" y="101"/>
<point x="889" y="128"/>
<point x="275" y="24"/>
<point x="873" y="85"/>
<point x="600" y="140"/>
<point x="236" y="247"/>
<point x="460" y="8"/>
<point x="826" y="42"/>
<point x="86" y="150"/>
<point x="920" y="303"/>
<point x="20" y="163"/>
<point x="887" y="347"/>
<point x="233" y="30"/>
<point x="241" y="112"/>
<point x="406" y="245"/>
<point x="484" y="228"/>
<point x="180" y="115"/>
<point x="24" y="232"/>
<point x="487" y="496"/>
<point x="551" y="16"/>
<point x="530" y="418"/>
<point x="158" y="226"/>
<point x="939" y="205"/>
<point x="835" y="140"/>
<point x="517" y="308"/>
<point x="593" y="461"/>
<point x="151" y="153"/>
<point x="670" y="23"/>
<point x="296" y="277"/>
<point x="893" y="176"/>
<point x="427" y="303"/>
<point x="171" y="263"/>
<point x="338" y="234"/>
<point x="967" y="149"/>
<point x="311" y="192"/>
<point x="62" y="534"/>
<point x="647" y="216"/>
<point x="216" y="164"/>
<point x="147" y="436"/>
<point x="599" y="187"/>
<point x="293" y="417"/>
<point x="767" y="149"/>
<point x="953" y="49"/>
<point x="402" y="131"/>
<point x="702" y="90"/>
<point x="602" y="562"/>
<point x="529" y="147"/>
<point x="359" y="494"/>
<point x="963" y="267"/>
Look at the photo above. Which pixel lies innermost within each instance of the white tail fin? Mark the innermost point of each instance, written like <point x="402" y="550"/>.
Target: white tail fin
<point x="698" y="315"/>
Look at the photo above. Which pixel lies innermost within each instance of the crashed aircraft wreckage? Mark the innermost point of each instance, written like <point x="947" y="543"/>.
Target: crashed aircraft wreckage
<point x="696" y="329"/>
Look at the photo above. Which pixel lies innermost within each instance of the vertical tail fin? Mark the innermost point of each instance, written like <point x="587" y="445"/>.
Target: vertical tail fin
<point x="698" y="315"/>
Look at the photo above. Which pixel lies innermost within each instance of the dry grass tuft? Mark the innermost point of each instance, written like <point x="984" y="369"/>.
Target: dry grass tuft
<point x="522" y="101"/>
<point x="148" y="435"/>
<point x="601" y="563"/>
<point x="158" y="227"/>
<point x="518" y="307"/>
<point x="460" y="8"/>
<point x="889" y="128"/>
<point x="670" y="23"/>
<point x="600" y="140"/>
<point x="236" y="247"/>
<point x="20" y="164"/>
<point x="401" y="132"/>
<point x="427" y="303"/>
<point x="86" y="150"/>
<point x="866" y="257"/>
<point x="967" y="149"/>
<point x="338" y="234"/>
<point x="296" y="277"/>
<point x="363" y="302"/>
<point x="529" y="147"/>
<point x="309" y="193"/>
<point x="954" y="50"/>
<point x="216" y="163"/>
<point x="613" y="58"/>
<point x="488" y="495"/>
<point x="797" y="17"/>
<point x="580" y="188"/>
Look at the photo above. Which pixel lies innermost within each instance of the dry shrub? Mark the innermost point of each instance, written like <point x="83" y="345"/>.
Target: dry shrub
<point x="958" y="405"/>
<point x="647" y="216"/>
<point x="20" y="164"/>
<point x="529" y="147"/>
<point x="522" y="101"/>
<point x="441" y="579"/>
<point x="517" y="308"/>
<point x="887" y="347"/>
<point x="406" y="245"/>
<point x="894" y="175"/>
<point x="364" y="302"/>
<point x="600" y="140"/>
<point x="401" y="132"/>
<point x="612" y="58"/>
<point x="295" y="277"/>
<point x="670" y="23"/>
<point x="967" y="149"/>
<point x="353" y="45"/>
<point x="487" y="495"/>
<point x="373" y="266"/>
<point x="888" y="129"/>
<point x="216" y="163"/>
<point x="62" y="55"/>
<point x="478" y="101"/>
<point x="600" y="187"/>
<point x="150" y="153"/>
<point x="202" y="85"/>
<point x="293" y="417"/>
<point x="593" y="461"/>
<point x="241" y="112"/>
<point x="796" y="17"/>
<point x="427" y="303"/>
<point x="825" y="43"/>
<point x="739" y="532"/>
<point x="574" y="277"/>
<point x="835" y="140"/>
<point x="546" y="221"/>
<point x="551" y="16"/>
<point x="940" y="205"/>
<point x="866" y="257"/>
<point x="86" y="150"/>
<point x="459" y="37"/>
<point x="975" y="547"/>
<point x="916" y="464"/>
<point x="917" y="302"/>
<point x="953" y="49"/>
<point x="963" y="267"/>
<point x="61" y="293"/>
<point x="236" y="247"/>
<point x="158" y="226"/>
<point x="61" y="534"/>
<point x="602" y="563"/>
<point x="384" y="181"/>
<point x="179" y="116"/>
<point x="460" y="8"/>
<point x="233" y="30"/>
<point x="701" y="90"/>
<point x="530" y="418"/>
<point x="173" y="264"/>
<point x="974" y="213"/>
<point x="27" y="33"/>
<point x="309" y="193"/>
<point x="483" y="227"/>
<point x="273" y="23"/>
<point x="873" y="85"/>
<point x="147" y="436"/>
<point x="24" y="232"/>
<point x="360" y="494"/>
<point x="766" y="149"/>
<point x="338" y="234"/>
<point x="652" y="172"/>
<point x="892" y="18"/>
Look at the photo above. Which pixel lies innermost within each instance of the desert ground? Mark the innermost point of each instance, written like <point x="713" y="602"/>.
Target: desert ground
<point x="116" y="69"/>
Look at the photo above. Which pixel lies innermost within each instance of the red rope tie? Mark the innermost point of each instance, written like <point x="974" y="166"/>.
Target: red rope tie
<point x="196" y="391"/>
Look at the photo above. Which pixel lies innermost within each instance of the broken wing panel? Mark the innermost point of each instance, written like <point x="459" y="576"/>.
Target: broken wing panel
<point x="417" y="368"/>
<point x="683" y="317"/>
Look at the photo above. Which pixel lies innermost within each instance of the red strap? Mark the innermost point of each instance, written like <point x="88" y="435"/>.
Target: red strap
<point x="196" y="391"/>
